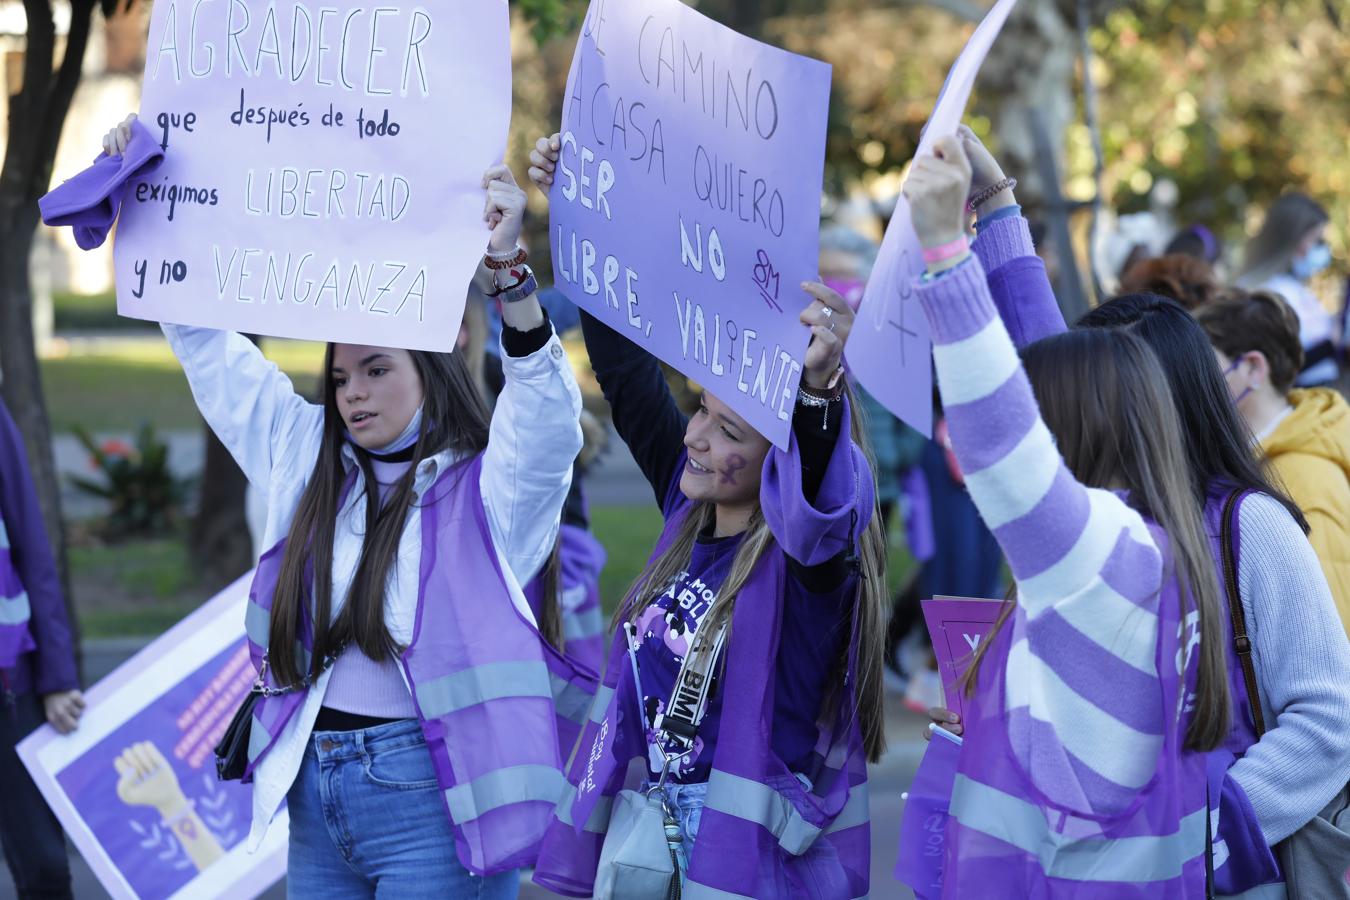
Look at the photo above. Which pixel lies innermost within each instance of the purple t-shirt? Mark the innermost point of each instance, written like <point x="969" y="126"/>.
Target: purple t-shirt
<point x="813" y="635"/>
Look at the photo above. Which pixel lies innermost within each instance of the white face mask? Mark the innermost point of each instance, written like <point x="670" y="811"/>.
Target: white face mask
<point x="406" y="438"/>
<point x="1309" y="264"/>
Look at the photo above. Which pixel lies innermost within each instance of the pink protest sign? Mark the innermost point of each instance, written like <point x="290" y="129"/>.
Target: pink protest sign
<point x="957" y="626"/>
<point x="168" y="827"/>
<point x="686" y="206"/>
<point x="323" y="167"/>
<point x="890" y="351"/>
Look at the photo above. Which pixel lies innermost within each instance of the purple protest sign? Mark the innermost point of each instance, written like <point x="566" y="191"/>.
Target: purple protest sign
<point x="135" y="786"/>
<point x="923" y="827"/>
<point x="957" y="625"/>
<point x="890" y="350"/>
<point x="686" y="206"/>
<point x="322" y="176"/>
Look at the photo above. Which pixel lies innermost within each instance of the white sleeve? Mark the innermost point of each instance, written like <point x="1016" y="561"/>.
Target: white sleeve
<point x="527" y="467"/>
<point x="248" y="402"/>
<point x="1302" y="661"/>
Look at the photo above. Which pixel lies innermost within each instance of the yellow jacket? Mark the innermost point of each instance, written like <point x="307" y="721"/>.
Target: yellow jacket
<point x="1309" y="453"/>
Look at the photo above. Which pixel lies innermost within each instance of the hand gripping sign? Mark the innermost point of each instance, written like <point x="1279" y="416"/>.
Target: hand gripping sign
<point x="889" y="350"/>
<point x="323" y="167"/>
<point x="686" y="206"/>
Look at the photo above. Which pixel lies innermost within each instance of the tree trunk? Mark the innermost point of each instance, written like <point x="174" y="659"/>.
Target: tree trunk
<point x="37" y="114"/>
<point x="219" y="542"/>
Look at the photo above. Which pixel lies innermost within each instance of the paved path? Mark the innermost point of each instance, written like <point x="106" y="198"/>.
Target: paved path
<point x="888" y="778"/>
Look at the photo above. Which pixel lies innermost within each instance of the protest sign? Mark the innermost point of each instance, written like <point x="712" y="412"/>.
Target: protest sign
<point x="323" y="167"/>
<point x="923" y="827"/>
<point x="957" y="626"/>
<point x="135" y="785"/>
<point x="890" y="350"/>
<point x="686" y="206"/>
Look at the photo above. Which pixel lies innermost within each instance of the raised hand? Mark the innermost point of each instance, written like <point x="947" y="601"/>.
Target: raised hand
<point x="831" y="320"/>
<point x="116" y="140"/>
<point x="544" y="160"/>
<point x="145" y="778"/>
<point x="937" y="189"/>
<point x="504" y="209"/>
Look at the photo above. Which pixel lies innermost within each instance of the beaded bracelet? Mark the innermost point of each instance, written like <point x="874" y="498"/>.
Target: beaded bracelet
<point x="980" y="198"/>
<point x="497" y="262"/>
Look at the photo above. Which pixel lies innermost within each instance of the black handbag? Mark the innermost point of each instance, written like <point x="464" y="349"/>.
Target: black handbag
<point x="232" y="751"/>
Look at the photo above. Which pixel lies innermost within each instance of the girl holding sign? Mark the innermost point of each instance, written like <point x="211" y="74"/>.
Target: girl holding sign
<point x="1285" y="773"/>
<point x="407" y="704"/>
<point x="1104" y="685"/>
<point x="745" y="667"/>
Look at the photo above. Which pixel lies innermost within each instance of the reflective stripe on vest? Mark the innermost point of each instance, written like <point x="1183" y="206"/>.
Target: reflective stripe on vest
<point x="257" y="624"/>
<point x="258" y="739"/>
<point x="747" y="799"/>
<point x="14" y="610"/>
<point x="498" y="681"/>
<point x="1131" y="860"/>
<point x="694" y="890"/>
<point x="581" y="625"/>
<point x="504" y="787"/>
<point x="603" y="695"/>
<point x="598" y="823"/>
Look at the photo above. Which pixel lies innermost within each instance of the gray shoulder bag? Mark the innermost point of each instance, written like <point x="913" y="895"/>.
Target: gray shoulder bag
<point x="640" y="858"/>
<point x="1316" y="858"/>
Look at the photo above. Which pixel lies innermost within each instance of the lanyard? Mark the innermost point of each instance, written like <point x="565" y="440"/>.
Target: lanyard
<point x="689" y="699"/>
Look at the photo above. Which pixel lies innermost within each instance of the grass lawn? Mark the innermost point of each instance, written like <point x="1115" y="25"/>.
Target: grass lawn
<point x="114" y="386"/>
<point x="143" y="587"/>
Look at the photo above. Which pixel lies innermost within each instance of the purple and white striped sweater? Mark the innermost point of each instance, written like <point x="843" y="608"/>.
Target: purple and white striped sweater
<point x="1082" y="676"/>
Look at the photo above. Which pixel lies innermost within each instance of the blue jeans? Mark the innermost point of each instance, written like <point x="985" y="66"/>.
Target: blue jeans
<point x="685" y="801"/>
<point x="367" y="821"/>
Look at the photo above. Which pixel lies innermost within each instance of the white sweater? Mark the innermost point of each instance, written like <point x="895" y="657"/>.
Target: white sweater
<point x="274" y="434"/>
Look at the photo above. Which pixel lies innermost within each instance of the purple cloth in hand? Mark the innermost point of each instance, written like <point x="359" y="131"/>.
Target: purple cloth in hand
<point x="90" y="201"/>
<point x="923" y="827"/>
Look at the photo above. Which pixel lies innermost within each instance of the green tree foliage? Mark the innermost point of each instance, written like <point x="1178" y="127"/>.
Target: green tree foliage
<point x="1234" y="100"/>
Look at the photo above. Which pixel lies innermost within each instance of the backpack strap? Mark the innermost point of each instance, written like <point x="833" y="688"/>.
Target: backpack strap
<point x="1241" y="643"/>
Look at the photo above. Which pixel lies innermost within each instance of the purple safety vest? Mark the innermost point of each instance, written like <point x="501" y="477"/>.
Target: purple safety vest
<point x="15" y="637"/>
<point x="762" y="832"/>
<point x="581" y="559"/>
<point x="492" y="697"/>
<point x="1005" y="839"/>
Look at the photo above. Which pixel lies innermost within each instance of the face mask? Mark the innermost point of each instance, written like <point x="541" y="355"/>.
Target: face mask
<point x="851" y="289"/>
<point x="1309" y="264"/>
<point x="1245" y="391"/>
<point x="406" y="438"/>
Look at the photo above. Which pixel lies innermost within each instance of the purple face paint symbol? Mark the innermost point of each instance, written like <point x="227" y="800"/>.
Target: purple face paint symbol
<point x="735" y="462"/>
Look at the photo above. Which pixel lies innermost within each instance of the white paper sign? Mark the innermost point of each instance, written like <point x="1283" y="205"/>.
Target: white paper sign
<point x="323" y="167"/>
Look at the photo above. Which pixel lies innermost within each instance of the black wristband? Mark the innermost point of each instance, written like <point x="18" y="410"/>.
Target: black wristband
<point x="519" y="343"/>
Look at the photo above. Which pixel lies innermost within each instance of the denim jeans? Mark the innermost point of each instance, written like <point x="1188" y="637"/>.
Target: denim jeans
<point x="35" y="847"/>
<point x="686" y="802"/>
<point x="367" y="821"/>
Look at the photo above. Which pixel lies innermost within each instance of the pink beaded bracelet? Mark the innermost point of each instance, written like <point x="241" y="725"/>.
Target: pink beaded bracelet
<point x="946" y="251"/>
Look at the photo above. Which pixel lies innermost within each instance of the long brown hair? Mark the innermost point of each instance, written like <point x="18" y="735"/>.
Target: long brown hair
<point x="869" y="607"/>
<point x="1104" y="397"/>
<point x="454" y="417"/>
<point x="1272" y="251"/>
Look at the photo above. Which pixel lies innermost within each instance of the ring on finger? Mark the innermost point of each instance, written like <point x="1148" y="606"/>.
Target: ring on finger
<point x="826" y="312"/>
<point x="832" y="324"/>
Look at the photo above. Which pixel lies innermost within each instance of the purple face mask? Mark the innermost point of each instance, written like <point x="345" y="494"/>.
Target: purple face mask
<point x="851" y="289"/>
